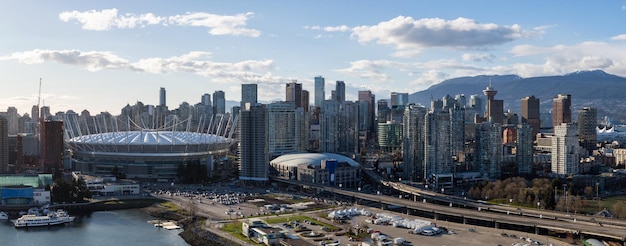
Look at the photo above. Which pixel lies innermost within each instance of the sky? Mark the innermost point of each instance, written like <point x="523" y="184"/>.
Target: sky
<point x="102" y="55"/>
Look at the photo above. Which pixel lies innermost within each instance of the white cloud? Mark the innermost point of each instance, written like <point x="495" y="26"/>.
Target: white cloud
<point x="428" y="78"/>
<point x="561" y="59"/>
<point x="620" y="37"/>
<point x="371" y="70"/>
<point x="108" y="19"/>
<point x="90" y="60"/>
<point x="342" y="28"/>
<point x="478" y="57"/>
<point x="195" y="62"/>
<point x="408" y="35"/>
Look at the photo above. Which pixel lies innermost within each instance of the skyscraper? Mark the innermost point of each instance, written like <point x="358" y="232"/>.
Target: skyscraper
<point x="561" y="109"/>
<point x="329" y="126"/>
<point x="476" y="102"/>
<point x="248" y="94"/>
<point x="565" y="150"/>
<point x="495" y="108"/>
<point x="413" y="142"/>
<point x="530" y="114"/>
<point x="293" y="93"/>
<point x="367" y="118"/>
<point x="399" y="99"/>
<point x="488" y="153"/>
<point x="287" y="132"/>
<point x="587" y="124"/>
<point x="305" y="100"/>
<point x="206" y="99"/>
<point x="219" y="102"/>
<point x="13" y="120"/>
<point x="340" y="91"/>
<point x="524" y="151"/>
<point x="53" y="146"/>
<point x="162" y="97"/>
<point x="253" y="143"/>
<point x="4" y="145"/>
<point x="319" y="91"/>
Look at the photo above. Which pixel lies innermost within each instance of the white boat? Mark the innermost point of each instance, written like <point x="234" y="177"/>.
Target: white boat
<point x="3" y="216"/>
<point x="53" y="218"/>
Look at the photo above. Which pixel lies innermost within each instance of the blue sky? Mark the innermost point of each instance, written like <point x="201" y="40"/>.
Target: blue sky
<point x="101" y="55"/>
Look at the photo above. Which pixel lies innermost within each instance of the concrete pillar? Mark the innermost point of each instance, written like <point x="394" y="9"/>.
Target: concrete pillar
<point x="496" y="224"/>
<point x="436" y="216"/>
<point x="536" y="229"/>
<point x="464" y="220"/>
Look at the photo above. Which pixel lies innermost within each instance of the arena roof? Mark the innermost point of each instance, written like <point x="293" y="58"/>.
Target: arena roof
<point x="311" y="159"/>
<point x="148" y="138"/>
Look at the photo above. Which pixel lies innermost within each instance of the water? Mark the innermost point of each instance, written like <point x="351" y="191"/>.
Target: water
<point x="121" y="227"/>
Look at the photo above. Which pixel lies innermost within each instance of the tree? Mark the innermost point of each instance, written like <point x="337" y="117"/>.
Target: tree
<point x="588" y="191"/>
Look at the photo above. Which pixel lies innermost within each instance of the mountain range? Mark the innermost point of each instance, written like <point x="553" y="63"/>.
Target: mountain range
<point x="598" y="89"/>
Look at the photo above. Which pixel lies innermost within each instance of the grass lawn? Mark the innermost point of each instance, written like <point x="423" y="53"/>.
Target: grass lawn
<point x="172" y="207"/>
<point x="234" y="229"/>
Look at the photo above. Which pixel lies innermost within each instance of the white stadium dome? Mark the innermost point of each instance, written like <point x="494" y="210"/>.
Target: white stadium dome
<point x="314" y="159"/>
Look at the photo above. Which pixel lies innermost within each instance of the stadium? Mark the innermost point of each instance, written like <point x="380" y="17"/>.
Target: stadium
<point x="145" y="153"/>
<point x="321" y="168"/>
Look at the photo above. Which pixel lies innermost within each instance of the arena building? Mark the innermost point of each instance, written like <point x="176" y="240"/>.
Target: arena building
<point x="18" y="190"/>
<point x="321" y="168"/>
<point x="145" y="153"/>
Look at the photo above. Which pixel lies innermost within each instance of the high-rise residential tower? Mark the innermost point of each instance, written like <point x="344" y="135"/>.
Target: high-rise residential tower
<point x="561" y="109"/>
<point x="253" y="143"/>
<point x="414" y="123"/>
<point x="293" y="93"/>
<point x="4" y="145"/>
<point x="305" y="100"/>
<point x="319" y="91"/>
<point x="565" y="150"/>
<point x="399" y="99"/>
<point x="53" y="146"/>
<point x="248" y="94"/>
<point x="367" y="118"/>
<point x="162" y="97"/>
<point x="530" y="114"/>
<point x="587" y="124"/>
<point x="219" y="102"/>
<point x="340" y="91"/>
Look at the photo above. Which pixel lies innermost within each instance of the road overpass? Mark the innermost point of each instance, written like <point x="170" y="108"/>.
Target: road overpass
<point x="481" y="216"/>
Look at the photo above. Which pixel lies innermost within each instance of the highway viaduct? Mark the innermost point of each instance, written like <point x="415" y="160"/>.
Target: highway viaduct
<point x="482" y="216"/>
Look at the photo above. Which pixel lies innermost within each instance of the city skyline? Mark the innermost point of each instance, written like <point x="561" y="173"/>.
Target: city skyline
<point x="100" y="56"/>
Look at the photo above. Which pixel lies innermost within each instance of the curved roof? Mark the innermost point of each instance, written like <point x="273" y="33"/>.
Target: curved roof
<point x="311" y="159"/>
<point x="148" y="138"/>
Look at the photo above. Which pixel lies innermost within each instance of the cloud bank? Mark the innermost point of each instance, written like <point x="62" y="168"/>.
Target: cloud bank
<point x="108" y="19"/>
<point x="195" y="62"/>
<point x="408" y="36"/>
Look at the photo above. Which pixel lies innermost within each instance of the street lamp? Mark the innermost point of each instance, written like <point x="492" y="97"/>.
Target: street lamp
<point x="597" y="195"/>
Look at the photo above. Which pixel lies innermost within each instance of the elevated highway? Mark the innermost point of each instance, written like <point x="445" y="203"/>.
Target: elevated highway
<point x="420" y="194"/>
<point x="480" y="215"/>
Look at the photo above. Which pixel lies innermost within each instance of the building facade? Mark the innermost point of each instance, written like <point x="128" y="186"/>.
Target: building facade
<point x="565" y="150"/>
<point x="248" y="94"/>
<point x="587" y="125"/>
<point x="219" y="102"/>
<point x="320" y="95"/>
<point x="561" y="110"/>
<point x="530" y="113"/>
<point x="413" y="133"/>
<point x="253" y="143"/>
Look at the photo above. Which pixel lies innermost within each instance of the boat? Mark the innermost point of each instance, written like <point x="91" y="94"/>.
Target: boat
<point x="4" y="216"/>
<point x="53" y="218"/>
